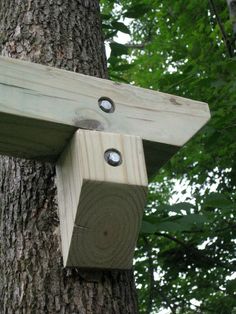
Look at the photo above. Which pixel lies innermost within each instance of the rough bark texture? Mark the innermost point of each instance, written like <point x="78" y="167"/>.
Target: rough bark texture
<point x="65" y="34"/>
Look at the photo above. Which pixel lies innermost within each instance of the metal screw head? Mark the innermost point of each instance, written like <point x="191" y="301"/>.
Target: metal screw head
<point x="106" y="105"/>
<point x="113" y="157"/>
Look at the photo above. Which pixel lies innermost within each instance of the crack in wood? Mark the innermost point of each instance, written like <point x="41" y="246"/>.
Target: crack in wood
<point x="81" y="227"/>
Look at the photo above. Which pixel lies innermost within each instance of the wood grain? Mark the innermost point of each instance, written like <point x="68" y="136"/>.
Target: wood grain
<point x="53" y="103"/>
<point x="100" y="206"/>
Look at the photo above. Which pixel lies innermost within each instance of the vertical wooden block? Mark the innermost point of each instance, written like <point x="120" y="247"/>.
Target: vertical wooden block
<point x="101" y="205"/>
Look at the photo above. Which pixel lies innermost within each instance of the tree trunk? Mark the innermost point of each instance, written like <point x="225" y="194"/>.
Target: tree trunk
<point x="232" y="12"/>
<point x="65" y="34"/>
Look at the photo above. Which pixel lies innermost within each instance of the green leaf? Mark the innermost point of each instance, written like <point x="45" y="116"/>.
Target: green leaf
<point x="110" y="34"/>
<point x="177" y="208"/>
<point x="106" y="17"/>
<point x="196" y="49"/>
<point x="137" y="11"/>
<point x="231" y="286"/>
<point x="120" y="27"/>
<point x="172" y="224"/>
<point x="218" y="200"/>
<point x="181" y="206"/>
<point x="171" y="227"/>
<point x="106" y="26"/>
<point x="147" y="227"/>
<point x="181" y="223"/>
<point x="118" y="49"/>
<point x="192" y="219"/>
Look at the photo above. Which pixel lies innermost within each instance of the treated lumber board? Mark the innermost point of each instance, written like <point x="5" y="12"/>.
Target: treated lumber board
<point x="35" y="139"/>
<point x="54" y="103"/>
<point x="100" y="206"/>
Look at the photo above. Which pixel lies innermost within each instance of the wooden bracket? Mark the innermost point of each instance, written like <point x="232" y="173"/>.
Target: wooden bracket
<point x="101" y="205"/>
<point x="102" y="180"/>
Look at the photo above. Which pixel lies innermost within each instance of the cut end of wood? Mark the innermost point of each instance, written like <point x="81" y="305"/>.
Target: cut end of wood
<point x="107" y="226"/>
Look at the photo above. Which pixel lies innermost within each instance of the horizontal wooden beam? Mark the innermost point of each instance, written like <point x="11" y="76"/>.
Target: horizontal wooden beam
<point x="101" y="204"/>
<point x="41" y="107"/>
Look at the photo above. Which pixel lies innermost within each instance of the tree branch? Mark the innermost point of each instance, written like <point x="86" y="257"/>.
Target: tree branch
<point x="167" y="236"/>
<point x="221" y="26"/>
<point x="137" y="46"/>
<point x="196" y="252"/>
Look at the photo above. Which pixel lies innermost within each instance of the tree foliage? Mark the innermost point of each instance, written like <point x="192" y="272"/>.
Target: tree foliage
<point x="186" y="250"/>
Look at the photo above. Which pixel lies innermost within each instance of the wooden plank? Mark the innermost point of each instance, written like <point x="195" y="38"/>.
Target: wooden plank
<point x="67" y="101"/>
<point x="34" y="139"/>
<point x="100" y="206"/>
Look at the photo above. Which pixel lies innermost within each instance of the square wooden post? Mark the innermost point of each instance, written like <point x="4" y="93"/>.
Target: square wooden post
<point x="102" y="187"/>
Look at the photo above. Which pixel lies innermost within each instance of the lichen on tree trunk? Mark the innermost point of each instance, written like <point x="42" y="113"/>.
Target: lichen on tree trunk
<point x="65" y="34"/>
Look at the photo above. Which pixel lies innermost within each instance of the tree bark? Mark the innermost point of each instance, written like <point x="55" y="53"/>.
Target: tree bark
<point x="65" y="34"/>
<point x="232" y="13"/>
